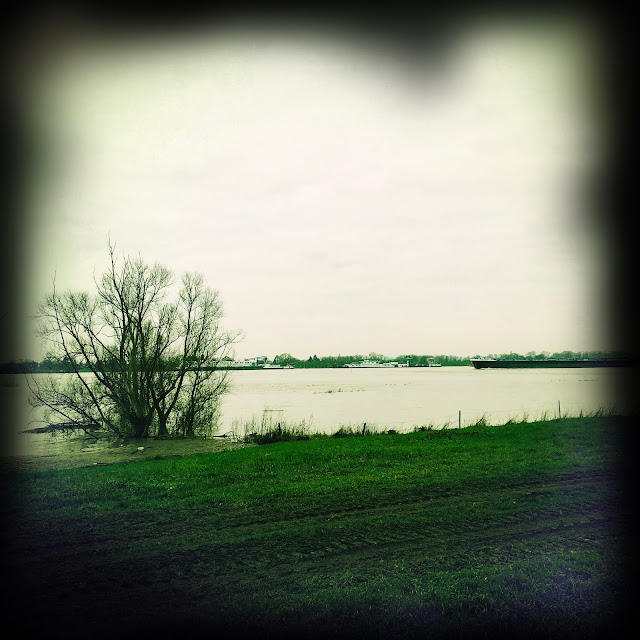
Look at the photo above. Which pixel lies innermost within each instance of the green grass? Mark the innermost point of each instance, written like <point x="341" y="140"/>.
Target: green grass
<point x="269" y="431"/>
<point x="484" y="530"/>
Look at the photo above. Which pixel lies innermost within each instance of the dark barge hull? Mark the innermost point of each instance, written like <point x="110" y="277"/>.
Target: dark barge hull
<point x="549" y="364"/>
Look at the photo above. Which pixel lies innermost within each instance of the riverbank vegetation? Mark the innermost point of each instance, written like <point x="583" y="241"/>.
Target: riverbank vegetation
<point x="413" y="360"/>
<point x="154" y="356"/>
<point x="517" y="530"/>
<point x="267" y="430"/>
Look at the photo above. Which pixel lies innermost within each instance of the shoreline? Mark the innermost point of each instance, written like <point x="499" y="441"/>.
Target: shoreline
<point x="80" y="452"/>
<point x="77" y="452"/>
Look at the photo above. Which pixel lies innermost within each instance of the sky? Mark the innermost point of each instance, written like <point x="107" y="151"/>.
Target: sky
<point x="340" y="200"/>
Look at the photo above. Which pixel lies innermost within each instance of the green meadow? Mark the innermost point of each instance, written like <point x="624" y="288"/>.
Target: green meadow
<point x="518" y="530"/>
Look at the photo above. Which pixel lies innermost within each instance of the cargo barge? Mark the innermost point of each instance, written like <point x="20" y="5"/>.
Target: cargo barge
<point x="489" y="363"/>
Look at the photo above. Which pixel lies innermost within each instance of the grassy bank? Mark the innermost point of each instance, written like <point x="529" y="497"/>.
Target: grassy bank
<point x="485" y="530"/>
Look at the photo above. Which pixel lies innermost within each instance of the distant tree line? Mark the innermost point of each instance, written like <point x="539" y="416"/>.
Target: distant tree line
<point x="425" y="361"/>
<point x="314" y="362"/>
<point x="325" y="362"/>
<point x="54" y="365"/>
<point x="49" y="365"/>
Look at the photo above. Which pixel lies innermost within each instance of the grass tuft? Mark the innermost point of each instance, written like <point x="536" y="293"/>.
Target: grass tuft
<point x="269" y="430"/>
<point x="347" y="431"/>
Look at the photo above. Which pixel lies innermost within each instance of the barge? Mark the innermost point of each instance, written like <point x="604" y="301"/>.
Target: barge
<point x="489" y="363"/>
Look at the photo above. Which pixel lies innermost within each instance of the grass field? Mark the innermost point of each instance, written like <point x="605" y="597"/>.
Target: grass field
<point x="519" y="530"/>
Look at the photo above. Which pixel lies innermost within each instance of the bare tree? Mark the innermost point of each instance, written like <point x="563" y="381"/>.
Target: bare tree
<point x="153" y="363"/>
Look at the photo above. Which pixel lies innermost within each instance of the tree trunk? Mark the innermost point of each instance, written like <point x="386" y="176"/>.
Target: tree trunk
<point x="162" y="425"/>
<point x="139" y="426"/>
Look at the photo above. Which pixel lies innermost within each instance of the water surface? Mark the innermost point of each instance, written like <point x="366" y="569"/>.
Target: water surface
<point x="399" y="399"/>
<point x="407" y="397"/>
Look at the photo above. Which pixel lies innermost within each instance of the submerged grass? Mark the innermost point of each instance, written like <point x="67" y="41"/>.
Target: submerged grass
<point x="268" y="430"/>
<point x="486" y="530"/>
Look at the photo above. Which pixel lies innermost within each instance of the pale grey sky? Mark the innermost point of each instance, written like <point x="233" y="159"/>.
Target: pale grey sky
<point x="339" y="202"/>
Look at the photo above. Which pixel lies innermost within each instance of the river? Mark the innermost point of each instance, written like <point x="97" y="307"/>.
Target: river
<point x="406" y="397"/>
<point x="394" y="398"/>
<point x="388" y="398"/>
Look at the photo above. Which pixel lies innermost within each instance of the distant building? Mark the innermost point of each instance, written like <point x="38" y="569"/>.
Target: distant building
<point x="258" y="361"/>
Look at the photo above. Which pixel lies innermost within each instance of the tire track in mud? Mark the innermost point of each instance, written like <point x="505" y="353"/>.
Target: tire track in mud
<point x="447" y="541"/>
<point x="137" y="523"/>
<point x="139" y="526"/>
<point x="431" y="553"/>
<point x="184" y="550"/>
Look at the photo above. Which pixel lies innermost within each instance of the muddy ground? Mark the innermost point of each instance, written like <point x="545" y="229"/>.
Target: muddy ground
<point x="44" y="453"/>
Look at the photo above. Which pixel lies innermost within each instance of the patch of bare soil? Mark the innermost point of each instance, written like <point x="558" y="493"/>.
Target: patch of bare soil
<point x="46" y="453"/>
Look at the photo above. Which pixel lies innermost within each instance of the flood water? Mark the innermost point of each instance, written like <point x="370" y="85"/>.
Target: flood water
<point x="406" y="397"/>
<point x="397" y="399"/>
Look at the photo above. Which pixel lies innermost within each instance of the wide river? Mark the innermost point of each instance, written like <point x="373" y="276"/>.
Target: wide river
<point x="406" y="397"/>
<point x="389" y="398"/>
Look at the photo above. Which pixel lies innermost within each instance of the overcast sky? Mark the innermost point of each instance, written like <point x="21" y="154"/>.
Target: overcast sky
<point x="340" y="202"/>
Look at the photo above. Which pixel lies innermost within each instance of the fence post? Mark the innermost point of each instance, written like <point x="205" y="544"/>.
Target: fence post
<point x="459" y="419"/>
<point x="559" y="414"/>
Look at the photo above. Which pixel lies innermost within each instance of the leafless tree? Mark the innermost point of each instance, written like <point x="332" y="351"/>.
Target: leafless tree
<point x="143" y="365"/>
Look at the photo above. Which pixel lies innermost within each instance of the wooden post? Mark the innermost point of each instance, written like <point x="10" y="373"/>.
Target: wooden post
<point x="364" y="426"/>
<point x="559" y="414"/>
<point x="459" y="419"/>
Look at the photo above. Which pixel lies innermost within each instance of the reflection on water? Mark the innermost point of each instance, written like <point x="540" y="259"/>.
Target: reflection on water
<point x="392" y="398"/>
